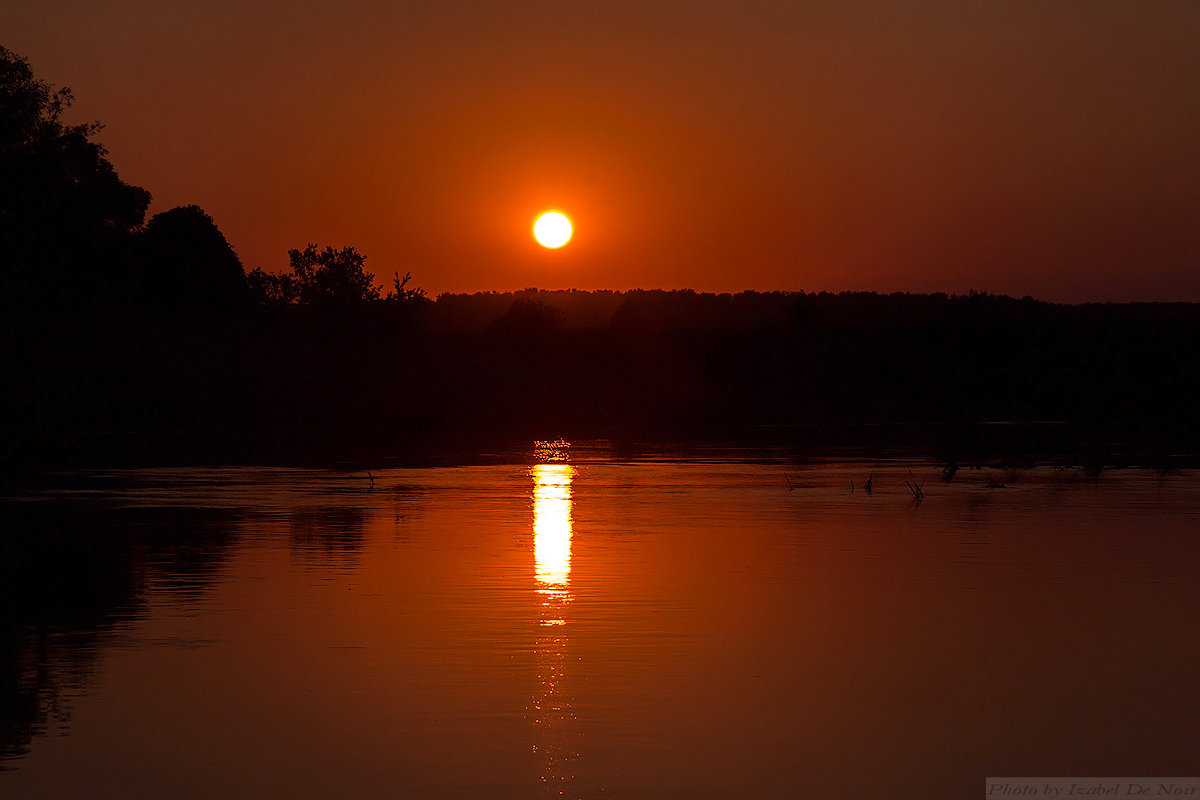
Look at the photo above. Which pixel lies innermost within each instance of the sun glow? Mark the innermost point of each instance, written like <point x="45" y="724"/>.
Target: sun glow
<point x="552" y="229"/>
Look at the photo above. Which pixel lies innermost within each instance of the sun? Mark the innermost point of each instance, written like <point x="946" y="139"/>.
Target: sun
<point x="552" y="229"/>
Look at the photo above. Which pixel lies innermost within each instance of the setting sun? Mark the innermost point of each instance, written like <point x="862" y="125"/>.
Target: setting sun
<point x="552" y="229"/>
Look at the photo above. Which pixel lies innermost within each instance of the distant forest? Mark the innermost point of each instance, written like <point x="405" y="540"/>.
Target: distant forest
<point x="146" y="341"/>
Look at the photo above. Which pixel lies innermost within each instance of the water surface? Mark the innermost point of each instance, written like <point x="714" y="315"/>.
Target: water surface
<point x="566" y="623"/>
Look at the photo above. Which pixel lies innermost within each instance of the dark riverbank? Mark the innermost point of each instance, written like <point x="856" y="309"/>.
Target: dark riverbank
<point x="964" y="378"/>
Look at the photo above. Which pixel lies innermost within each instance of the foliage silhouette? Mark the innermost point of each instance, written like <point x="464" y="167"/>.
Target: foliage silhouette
<point x="183" y="261"/>
<point x="402" y="294"/>
<point x="66" y="218"/>
<point x="331" y="277"/>
<point x="270" y="289"/>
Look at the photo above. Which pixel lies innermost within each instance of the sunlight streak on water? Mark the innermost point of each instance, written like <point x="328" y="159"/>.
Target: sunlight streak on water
<point x="552" y="528"/>
<point x="552" y="709"/>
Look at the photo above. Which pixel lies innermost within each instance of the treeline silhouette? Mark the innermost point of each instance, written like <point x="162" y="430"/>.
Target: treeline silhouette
<point x="147" y="341"/>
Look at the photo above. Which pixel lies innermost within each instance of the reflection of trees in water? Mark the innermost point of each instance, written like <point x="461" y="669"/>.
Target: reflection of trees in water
<point x="186" y="549"/>
<point x="324" y="534"/>
<point x="72" y="578"/>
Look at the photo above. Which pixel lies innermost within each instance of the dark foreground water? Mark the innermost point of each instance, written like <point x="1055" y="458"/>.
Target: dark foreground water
<point x="590" y="628"/>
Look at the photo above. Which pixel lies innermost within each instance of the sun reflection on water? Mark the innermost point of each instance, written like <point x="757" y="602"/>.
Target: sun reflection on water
<point x="552" y="530"/>
<point x="551" y="710"/>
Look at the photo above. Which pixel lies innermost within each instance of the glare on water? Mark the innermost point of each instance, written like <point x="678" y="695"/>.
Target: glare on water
<point x="552" y="527"/>
<point x="551" y="710"/>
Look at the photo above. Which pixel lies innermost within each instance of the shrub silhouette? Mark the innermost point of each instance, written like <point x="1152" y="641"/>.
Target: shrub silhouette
<point x="184" y="261"/>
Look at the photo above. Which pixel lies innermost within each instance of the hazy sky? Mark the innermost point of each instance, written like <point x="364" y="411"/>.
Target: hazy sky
<point x="1049" y="147"/>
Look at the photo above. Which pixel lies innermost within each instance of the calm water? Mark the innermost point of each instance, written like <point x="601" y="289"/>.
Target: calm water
<point x="657" y="627"/>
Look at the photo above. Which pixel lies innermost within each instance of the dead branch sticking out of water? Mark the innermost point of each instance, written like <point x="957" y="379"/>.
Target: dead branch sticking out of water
<point x="917" y="489"/>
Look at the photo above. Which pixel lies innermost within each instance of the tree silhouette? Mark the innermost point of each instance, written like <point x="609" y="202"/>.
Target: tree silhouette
<point x="184" y="261"/>
<point x="66" y="219"/>
<point x="269" y="289"/>
<point x="402" y="294"/>
<point x="331" y="277"/>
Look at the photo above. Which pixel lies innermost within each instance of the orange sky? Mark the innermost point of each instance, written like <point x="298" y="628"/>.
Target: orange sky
<point x="1044" y="148"/>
